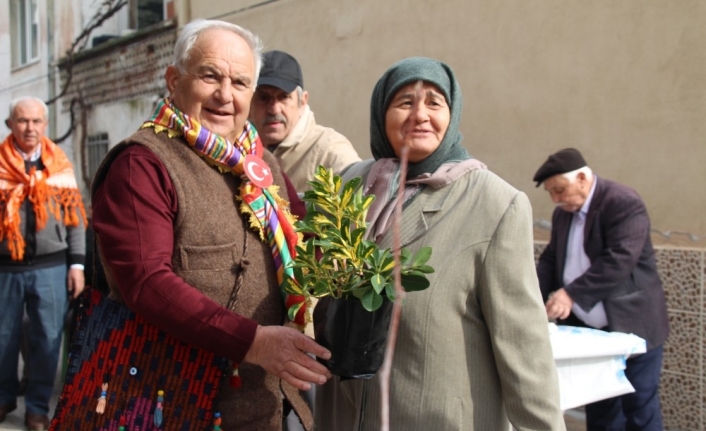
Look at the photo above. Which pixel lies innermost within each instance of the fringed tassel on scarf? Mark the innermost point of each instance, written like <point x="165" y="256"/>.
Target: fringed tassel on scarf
<point x="50" y="191"/>
<point x="38" y="195"/>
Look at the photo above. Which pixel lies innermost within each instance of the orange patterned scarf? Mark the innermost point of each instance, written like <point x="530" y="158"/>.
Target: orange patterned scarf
<point x="50" y="190"/>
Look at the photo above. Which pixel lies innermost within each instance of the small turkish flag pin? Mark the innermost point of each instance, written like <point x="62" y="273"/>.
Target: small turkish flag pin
<point x="257" y="171"/>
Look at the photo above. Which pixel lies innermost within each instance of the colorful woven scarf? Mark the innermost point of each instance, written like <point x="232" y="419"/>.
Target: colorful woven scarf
<point x="51" y="191"/>
<point x="269" y="213"/>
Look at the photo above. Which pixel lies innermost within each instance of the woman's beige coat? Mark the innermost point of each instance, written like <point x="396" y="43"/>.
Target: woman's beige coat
<point x="473" y="350"/>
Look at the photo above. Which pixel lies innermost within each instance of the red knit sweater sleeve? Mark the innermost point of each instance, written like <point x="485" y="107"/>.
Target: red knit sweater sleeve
<point x="296" y="205"/>
<point x="133" y="215"/>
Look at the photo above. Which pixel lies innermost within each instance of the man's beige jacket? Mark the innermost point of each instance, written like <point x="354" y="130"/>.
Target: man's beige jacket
<point x="309" y="145"/>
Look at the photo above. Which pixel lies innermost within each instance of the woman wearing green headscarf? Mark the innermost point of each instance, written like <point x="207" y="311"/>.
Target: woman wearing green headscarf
<point x="473" y="350"/>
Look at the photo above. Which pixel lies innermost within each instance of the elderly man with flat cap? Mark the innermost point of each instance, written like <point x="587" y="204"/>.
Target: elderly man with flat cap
<point x="287" y="127"/>
<point x="599" y="271"/>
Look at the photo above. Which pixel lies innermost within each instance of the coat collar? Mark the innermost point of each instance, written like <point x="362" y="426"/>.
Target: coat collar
<point x="598" y="195"/>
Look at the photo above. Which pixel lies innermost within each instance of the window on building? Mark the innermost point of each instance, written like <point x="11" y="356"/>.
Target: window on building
<point x="97" y="148"/>
<point x="144" y="13"/>
<point x="24" y="28"/>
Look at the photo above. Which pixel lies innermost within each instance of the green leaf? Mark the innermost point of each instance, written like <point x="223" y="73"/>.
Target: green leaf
<point x="360" y="293"/>
<point x="320" y="288"/>
<point x="425" y="269"/>
<point x="405" y="256"/>
<point x="347" y="194"/>
<point x="380" y="258"/>
<point x="378" y="282"/>
<point x="390" y="291"/>
<point x="388" y="264"/>
<point x="357" y="237"/>
<point x="422" y="256"/>
<point x="371" y="300"/>
<point x="323" y="221"/>
<point x="367" y="201"/>
<point x="414" y="282"/>
<point x="337" y="183"/>
<point x="346" y="233"/>
<point x="294" y="309"/>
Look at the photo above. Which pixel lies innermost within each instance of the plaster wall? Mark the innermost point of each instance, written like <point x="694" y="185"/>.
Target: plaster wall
<point x="621" y="81"/>
<point x="119" y="120"/>
<point x="30" y="79"/>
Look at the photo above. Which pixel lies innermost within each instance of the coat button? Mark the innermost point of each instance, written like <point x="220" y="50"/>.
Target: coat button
<point x="133" y="371"/>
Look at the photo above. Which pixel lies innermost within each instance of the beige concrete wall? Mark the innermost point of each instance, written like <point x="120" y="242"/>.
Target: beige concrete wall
<point x="623" y="81"/>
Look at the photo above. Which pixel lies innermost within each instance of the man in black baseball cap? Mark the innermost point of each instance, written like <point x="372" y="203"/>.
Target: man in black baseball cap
<point x="286" y="125"/>
<point x="281" y="70"/>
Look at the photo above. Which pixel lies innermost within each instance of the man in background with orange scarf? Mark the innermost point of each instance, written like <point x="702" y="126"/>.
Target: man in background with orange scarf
<point x="41" y="233"/>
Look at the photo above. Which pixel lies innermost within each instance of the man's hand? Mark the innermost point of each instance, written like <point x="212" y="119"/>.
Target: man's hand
<point x="559" y="305"/>
<point x="75" y="282"/>
<point x="281" y="351"/>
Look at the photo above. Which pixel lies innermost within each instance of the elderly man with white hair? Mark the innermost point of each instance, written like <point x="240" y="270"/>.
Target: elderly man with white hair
<point x="599" y="271"/>
<point x="42" y="231"/>
<point x="195" y="239"/>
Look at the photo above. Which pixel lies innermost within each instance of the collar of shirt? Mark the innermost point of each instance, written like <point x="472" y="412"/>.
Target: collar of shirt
<point x="30" y="157"/>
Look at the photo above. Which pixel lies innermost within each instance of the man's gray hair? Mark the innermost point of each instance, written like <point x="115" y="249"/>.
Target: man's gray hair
<point x="17" y="101"/>
<point x="571" y="176"/>
<point x="191" y="31"/>
<point x="300" y="94"/>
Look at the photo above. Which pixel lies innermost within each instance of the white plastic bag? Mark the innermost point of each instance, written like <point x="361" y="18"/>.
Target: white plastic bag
<point x="591" y="363"/>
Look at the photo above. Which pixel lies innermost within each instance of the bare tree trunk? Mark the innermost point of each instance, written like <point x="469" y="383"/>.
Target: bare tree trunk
<point x="399" y="298"/>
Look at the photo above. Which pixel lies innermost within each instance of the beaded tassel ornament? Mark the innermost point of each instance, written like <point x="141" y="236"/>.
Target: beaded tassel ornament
<point x="235" y="380"/>
<point x="100" y="408"/>
<point x="217" y="422"/>
<point x="158" y="409"/>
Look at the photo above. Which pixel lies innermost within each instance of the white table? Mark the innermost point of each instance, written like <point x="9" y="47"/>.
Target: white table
<point x="591" y="363"/>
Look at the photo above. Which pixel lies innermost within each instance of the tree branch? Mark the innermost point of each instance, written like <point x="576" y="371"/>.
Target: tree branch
<point x="106" y="10"/>
<point x="399" y="298"/>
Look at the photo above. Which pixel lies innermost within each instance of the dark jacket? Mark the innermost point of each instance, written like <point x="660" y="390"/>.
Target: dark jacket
<point x="623" y="272"/>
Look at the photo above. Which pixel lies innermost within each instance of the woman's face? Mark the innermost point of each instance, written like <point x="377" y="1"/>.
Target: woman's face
<point x="418" y="117"/>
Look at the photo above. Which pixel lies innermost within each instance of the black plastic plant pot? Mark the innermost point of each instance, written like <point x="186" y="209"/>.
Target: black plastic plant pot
<point x="355" y="336"/>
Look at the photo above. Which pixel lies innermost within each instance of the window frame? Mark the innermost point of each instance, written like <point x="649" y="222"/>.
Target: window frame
<point x="24" y="33"/>
<point x="134" y="16"/>
<point x="97" y="146"/>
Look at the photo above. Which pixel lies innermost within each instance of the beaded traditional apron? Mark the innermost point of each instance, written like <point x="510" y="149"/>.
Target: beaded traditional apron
<point x="175" y="385"/>
<point x="156" y="381"/>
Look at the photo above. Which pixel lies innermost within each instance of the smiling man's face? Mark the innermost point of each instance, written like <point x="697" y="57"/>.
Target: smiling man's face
<point x="217" y="84"/>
